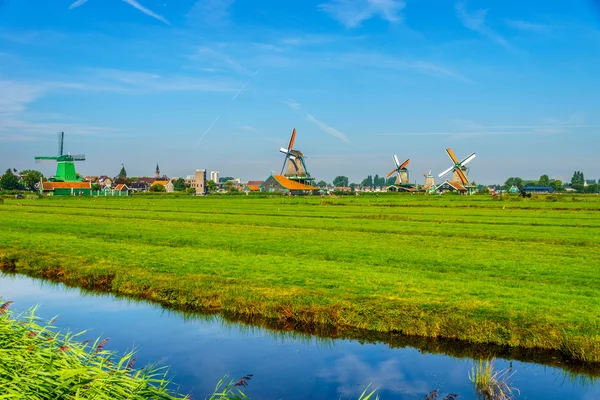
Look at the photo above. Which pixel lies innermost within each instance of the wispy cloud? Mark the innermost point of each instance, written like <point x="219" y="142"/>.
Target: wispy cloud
<point x="293" y="104"/>
<point x="77" y="4"/>
<point x="476" y="21"/>
<point x="328" y="129"/>
<point x="210" y="11"/>
<point x="146" y="11"/>
<point x="218" y="58"/>
<point x="527" y="26"/>
<point x="352" y="13"/>
<point x="376" y="60"/>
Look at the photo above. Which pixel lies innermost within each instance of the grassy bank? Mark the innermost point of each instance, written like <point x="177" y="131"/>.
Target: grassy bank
<point x="518" y="272"/>
<point x="37" y="362"/>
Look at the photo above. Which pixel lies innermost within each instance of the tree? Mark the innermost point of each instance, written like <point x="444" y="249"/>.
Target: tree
<point x="340" y="181"/>
<point x="367" y="182"/>
<point x="390" y="181"/>
<point x="95" y="187"/>
<point x="157" y="187"/>
<point x="31" y="177"/>
<point x="557" y="185"/>
<point x="377" y="181"/>
<point x="9" y="181"/>
<point x="211" y="186"/>
<point x="122" y="173"/>
<point x="322" y="184"/>
<point x="544" y="180"/>
<point x="179" y="185"/>
<point x="353" y="186"/>
<point x="225" y="179"/>
<point x="514" y="181"/>
<point x="577" y="178"/>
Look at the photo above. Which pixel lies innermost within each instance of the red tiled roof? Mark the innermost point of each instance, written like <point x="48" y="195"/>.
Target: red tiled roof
<point x="457" y="185"/>
<point x="254" y="183"/>
<point x="120" y="186"/>
<point x="66" y="185"/>
<point x="292" y="185"/>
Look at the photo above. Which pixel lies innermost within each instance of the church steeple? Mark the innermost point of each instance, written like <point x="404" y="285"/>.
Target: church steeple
<point x="157" y="172"/>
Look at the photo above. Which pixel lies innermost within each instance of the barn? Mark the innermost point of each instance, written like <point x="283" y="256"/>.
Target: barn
<point x="66" y="188"/>
<point x="281" y="184"/>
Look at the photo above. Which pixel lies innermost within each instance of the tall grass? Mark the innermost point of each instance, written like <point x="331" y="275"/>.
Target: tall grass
<point x="491" y="384"/>
<point x="38" y="362"/>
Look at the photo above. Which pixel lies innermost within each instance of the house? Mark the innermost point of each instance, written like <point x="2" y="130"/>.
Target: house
<point x="514" y="189"/>
<point x="122" y="188"/>
<point x="281" y="184"/>
<point x="538" y="189"/>
<point x="167" y="184"/>
<point x="197" y="181"/>
<point x="105" y="181"/>
<point x="455" y="187"/>
<point x="254" y="186"/>
<point x="66" y="188"/>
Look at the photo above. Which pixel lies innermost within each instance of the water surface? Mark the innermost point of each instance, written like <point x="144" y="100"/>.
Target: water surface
<point x="202" y="349"/>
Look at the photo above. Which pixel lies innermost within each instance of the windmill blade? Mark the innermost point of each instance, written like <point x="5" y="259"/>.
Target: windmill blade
<point x="468" y="159"/>
<point x="462" y="176"/>
<point x="451" y="155"/>
<point x="396" y="161"/>
<point x="292" y="139"/>
<point x="446" y="171"/>
<point x="282" y="150"/>
<point x="78" y="157"/>
<point x="292" y="157"/>
<point x="61" y="142"/>
<point x="388" y="175"/>
<point x="44" y="160"/>
<point x="429" y="171"/>
<point x="404" y="164"/>
<point x="425" y="175"/>
<point x="284" y="162"/>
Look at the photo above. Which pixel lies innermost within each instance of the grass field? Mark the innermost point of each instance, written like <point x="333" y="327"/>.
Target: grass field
<point x="518" y="272"/>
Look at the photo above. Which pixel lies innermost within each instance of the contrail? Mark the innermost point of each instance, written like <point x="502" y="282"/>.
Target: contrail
<point x="206" y="131"/>
<point x="227" y="105"/>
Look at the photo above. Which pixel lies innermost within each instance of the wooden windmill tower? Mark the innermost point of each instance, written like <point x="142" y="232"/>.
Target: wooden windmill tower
<point x="65" y="163"/>
<point x="459" y="171"/>
<point x="429" y="182"/>
<point x="402" y="179"/>
<point x="294" y="167"/>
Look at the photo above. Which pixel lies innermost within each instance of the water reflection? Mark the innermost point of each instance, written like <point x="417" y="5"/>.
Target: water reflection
<point x="201" y="349"/>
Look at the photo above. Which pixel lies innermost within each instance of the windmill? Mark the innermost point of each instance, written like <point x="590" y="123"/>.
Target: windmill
<point x="65" y="163"/>
<point x="402" y="177"/>
<point x="429" y="181"/>
<point x="459" y="171"/>
<point x="293" y="164"/>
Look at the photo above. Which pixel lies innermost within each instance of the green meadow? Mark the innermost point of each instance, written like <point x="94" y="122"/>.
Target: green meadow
<point x="517" y="272"/>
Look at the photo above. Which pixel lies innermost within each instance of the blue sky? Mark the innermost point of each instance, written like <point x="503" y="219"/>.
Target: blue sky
<point x="220" y="84"/>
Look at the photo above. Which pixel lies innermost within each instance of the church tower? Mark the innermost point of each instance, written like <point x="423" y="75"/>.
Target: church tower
<point x="157" y="172"/>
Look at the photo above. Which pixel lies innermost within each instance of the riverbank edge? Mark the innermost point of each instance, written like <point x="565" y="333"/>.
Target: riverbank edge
<point x="338" y="321"/>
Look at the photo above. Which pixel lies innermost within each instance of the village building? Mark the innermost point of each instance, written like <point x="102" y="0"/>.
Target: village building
<point x="66" y="188"/>
<point x="455" y="187"/>
<point x="168" y="185"/>
<point x="253" y="186"/>
<point x="197" y="182"/>
<point x="538" y="189"/>
<point x="281" y="184"/>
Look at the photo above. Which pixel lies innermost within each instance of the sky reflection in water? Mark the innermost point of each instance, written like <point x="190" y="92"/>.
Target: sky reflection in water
<point x="200" y="351"/>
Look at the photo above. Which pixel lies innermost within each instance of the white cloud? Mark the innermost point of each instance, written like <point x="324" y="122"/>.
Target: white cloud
<point x="293" y="104"/>
<point x="328" y="129"/>
<point x="15" y="96"/>
<point x="475" y="21"/>
<point x="376" y="60"/>
<point x="210" y="11"/>
<point x="527" y="26"/>
<point x="146" y="11"/>
<point x="132" y="3"/>
<point x="352" y="13"/>
<point x="77" y="4"/>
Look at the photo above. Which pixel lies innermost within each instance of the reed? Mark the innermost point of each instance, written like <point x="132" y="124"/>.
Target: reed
<point x="491" y="384"/>
<point x="38" y="362"/>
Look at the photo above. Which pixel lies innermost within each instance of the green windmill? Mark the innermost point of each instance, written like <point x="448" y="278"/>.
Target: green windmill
<point x="65" y="168"/>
